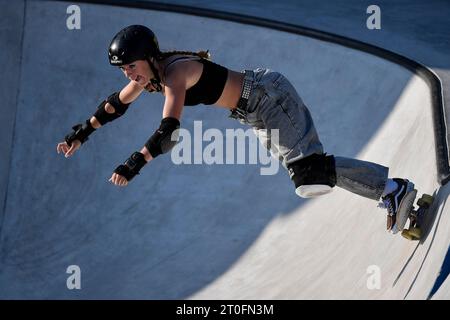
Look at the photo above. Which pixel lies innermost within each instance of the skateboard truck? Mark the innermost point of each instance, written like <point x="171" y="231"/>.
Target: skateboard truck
<point x="414" y="231"/>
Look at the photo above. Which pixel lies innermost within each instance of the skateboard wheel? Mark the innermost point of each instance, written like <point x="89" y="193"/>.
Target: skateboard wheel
<point x="407" y="235"/>
<point x="415" y="233"/>
<point x="425" y="200"/>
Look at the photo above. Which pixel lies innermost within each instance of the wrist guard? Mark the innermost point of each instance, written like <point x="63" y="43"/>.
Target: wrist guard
<point x="119" y="109"/>
<point x="131" y="166"/>
<point x="80" y="132"/>
<point x="163" y="139"/>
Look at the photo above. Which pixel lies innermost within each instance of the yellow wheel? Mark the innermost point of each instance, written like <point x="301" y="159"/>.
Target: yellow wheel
<point x="407" y="235"/>
<point x="416" y="233"/>
<point x="426" y="199"/>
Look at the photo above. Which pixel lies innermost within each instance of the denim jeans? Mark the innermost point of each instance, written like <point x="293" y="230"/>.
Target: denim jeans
<point x="275" y="104"/>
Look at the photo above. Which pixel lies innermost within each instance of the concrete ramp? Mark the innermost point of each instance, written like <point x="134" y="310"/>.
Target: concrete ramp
<point x="199" y="231"/>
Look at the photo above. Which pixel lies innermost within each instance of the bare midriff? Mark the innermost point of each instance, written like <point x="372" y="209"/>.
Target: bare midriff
<point x="232" y="90"/>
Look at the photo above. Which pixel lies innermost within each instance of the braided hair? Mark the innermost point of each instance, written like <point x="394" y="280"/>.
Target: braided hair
<point x="202" y="54"/>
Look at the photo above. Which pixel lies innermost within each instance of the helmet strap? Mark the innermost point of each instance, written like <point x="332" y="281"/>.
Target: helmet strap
<point x="156" y="81"/>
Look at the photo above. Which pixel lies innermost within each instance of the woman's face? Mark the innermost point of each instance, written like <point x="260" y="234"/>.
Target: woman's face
<point x="138" y="71"/>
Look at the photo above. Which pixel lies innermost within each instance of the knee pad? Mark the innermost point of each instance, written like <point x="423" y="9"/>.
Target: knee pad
<point x="313" y="175"/>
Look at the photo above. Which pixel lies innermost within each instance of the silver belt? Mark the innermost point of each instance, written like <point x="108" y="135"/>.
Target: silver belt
<point x="241" y="110"/>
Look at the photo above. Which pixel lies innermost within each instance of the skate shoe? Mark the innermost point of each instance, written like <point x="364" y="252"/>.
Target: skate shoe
<point x="398" y="204"/>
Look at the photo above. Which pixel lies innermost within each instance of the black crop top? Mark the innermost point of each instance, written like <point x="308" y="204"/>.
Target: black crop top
<point x="209" y="87"/>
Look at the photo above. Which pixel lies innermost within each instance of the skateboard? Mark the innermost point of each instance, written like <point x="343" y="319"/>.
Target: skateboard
<point x="414" y="231"/>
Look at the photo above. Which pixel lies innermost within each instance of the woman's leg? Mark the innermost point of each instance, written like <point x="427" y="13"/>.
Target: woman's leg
<point x="280" y="107"/>
<point x="364" y="178"/>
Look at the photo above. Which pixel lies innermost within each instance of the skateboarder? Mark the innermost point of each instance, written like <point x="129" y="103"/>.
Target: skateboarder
<point x="261" y="98"/>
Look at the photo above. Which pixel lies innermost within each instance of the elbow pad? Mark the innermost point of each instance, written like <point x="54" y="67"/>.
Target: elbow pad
<point x="165" y="138"/>
<point x="119" y="109"/>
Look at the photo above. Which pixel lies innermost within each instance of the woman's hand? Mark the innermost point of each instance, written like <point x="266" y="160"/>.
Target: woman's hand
<point x="118" y="180"/>
<point x="124" y="173"/>
<point x="68" y="151"/>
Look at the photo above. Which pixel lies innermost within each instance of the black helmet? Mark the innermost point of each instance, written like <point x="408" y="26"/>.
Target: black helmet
<point x="133" y="43"/>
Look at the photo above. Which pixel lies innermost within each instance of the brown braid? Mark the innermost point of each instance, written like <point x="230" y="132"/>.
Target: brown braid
<point x="202" y="54"/>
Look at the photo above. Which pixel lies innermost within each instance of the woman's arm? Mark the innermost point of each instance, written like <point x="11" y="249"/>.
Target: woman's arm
<point x="161" y="141"/>
<point x="127" y="95"/>
<point x="175" y="92"/>
<point x="105" y="113"/>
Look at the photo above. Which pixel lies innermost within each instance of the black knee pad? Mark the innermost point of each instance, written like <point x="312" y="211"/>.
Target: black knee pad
<point x="314" y="169"/>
